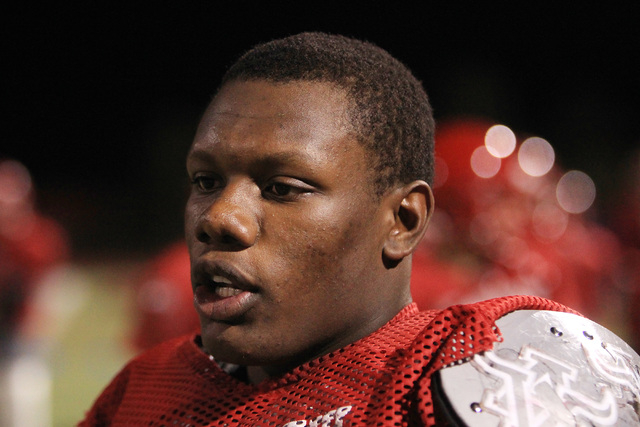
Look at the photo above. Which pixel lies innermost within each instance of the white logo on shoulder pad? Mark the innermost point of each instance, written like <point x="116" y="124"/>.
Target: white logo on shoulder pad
<point x="529" y="380"/>
<point x="551" y="369"/>
<point x="330" y="419"/>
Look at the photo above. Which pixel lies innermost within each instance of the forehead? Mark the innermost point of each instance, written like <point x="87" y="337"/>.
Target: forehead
<point x="297" y="103"/>
<point x="297" y="97"/>
<point x="262" y="116"/>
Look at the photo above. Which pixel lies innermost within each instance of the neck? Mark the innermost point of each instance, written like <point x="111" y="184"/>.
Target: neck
<point x="257" y="374"/>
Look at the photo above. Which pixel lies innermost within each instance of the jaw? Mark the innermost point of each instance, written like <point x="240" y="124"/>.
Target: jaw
<point x="272" y="350"/>
<point x="250" y="343"/>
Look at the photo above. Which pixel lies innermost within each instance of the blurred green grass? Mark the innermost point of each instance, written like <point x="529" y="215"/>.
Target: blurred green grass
<point x="89" y="342"/>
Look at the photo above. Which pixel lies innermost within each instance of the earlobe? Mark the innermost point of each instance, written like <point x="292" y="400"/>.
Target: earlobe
<point x="413" y="206"/>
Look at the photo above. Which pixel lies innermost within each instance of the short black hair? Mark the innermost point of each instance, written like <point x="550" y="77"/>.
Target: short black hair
<point x="390" y="110"/>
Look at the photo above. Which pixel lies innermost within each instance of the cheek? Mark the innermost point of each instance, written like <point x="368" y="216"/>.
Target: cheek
<point x="195" y="208"/>
<point x="326" y="250"/>
<point x="190" y="216"/>
<point x="305" y="254"/>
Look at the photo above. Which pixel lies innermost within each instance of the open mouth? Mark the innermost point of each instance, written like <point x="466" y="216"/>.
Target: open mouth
<point x="222" y="293"/>
<point x="224" y="287"/>
<point x="221" y="279"/>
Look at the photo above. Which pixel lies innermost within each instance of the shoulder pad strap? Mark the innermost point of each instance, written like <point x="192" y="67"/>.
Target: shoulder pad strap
<point x="550" y="369"/>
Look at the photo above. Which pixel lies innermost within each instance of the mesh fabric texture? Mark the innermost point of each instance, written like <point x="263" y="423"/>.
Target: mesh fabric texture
<point x="383" y="379"/>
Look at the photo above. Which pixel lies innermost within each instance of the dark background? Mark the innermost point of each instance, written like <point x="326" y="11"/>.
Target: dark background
<point x="101" y="100"/>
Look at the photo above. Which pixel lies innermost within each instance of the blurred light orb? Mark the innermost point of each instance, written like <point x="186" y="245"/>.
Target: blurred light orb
<point x="500" y="141"/>
<point x="536" y="156"/>
<point x="522" y="181"/>
<point x="15" y="182"/>
<point x="483" y="163"/>
<point x="549" y="221"/>
<point x="575" y="192"/>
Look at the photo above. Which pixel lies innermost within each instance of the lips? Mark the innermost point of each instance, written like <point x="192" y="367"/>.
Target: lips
<point x="221" y="292"/>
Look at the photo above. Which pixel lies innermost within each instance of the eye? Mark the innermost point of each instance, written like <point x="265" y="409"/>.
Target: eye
<point x="205" y="183"/>
<point x="280" y="189"/>
<point x="286" y="191"/>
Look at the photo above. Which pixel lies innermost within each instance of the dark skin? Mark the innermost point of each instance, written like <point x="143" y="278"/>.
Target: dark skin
<point x="293" y="255"/>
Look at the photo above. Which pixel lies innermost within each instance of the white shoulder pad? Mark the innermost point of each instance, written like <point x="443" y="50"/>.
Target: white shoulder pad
<point x="551" y="369"/>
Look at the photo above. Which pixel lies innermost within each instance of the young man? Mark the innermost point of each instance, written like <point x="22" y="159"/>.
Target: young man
<point x="310" y="179"/>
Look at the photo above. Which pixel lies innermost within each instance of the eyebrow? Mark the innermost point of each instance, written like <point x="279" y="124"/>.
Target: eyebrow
<point x="269" y="160"/>
<point x="283" y="158"/>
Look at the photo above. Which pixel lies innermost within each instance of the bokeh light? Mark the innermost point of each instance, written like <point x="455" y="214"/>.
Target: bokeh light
<point x="549" y="221"/>
<point x="483" y="163"/>
<point x="536" y="156"/>
<point x="522" y="181"/>
<point x="500" y="141"/>
<point x="15" y="182"/>
<point x="575" y="192"/>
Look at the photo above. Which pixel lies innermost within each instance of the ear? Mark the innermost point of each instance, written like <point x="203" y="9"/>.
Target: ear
<point x="413" y="206"/>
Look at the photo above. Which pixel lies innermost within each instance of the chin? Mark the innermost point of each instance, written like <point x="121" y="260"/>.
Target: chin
<point x="247" y="345"/>
<point x="225" y="344"/>
<point x="247" y="355"/>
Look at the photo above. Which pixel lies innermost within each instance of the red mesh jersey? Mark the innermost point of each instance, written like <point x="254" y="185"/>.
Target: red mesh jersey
<point x="383" y="379"/>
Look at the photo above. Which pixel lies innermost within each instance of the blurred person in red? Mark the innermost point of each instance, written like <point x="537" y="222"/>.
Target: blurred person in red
<point x="31" y="247"/>
<point x="31" y="244"/>
<point x="164" y="299"/>
<point x="499" y="228"/>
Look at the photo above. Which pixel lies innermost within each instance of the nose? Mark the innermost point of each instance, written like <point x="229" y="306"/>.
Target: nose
<point x="230" y="221"/>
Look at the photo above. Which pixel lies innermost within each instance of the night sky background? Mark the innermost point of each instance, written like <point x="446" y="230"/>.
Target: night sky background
<point x="101" y="100"/>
